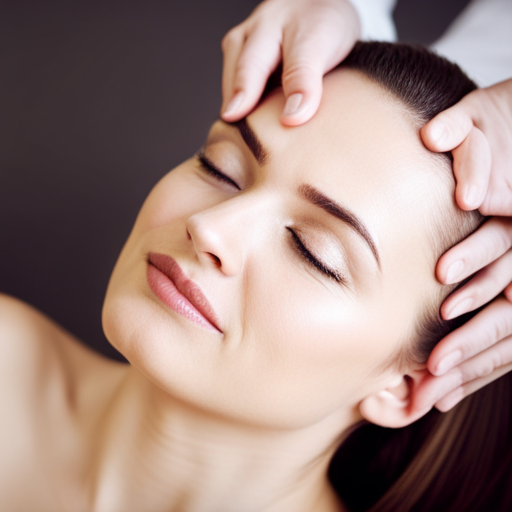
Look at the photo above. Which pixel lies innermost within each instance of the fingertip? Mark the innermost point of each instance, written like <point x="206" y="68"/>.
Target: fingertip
<point x="299" y="109"/>
<point x="441" y="407"/>
<point x="232" y="109"/>
<point x="296" y="120"/>
<point x="448" y="129"/>
<point x="441" y="271"/>
<point x="444" y="311"/>
<point x="231" y="117"/>
<point x="434" y="135"/>
<point x="469" y="196"/>
<point x="433" y="364"/>
<point x="450" y="269"/>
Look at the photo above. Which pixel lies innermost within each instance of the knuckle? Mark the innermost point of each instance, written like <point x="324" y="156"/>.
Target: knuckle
<point x="479" y="292"/>
<point x="501" y="329"/>
<point x="233" y="37"/>
<point x="493" y="249"/>
<point x="498" y="199"/>
<point x="455" y="124"/>
<point x="487" y="366"/>
<point x="300" y="71"/>
<point x="252" y="62"/>
<point x="503" y="239"/>
<point x="491" y="283"/>
<point x="467" y="350"/>
<point x="459" y="376"/>
<point x="485" y="340"/>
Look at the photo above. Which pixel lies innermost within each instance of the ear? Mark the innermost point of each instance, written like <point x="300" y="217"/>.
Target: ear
<point x="395" y="405"/>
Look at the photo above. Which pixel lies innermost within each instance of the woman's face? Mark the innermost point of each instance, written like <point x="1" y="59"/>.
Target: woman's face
<point x="312" y="249"/>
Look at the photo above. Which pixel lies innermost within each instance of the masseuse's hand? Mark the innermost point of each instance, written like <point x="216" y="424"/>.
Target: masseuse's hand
<point x="310" y="37"/>
<point x="478" y="131"/>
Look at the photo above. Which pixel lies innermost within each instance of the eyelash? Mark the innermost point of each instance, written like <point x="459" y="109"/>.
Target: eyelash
<point x="312" y="260"/>
<point x="209" y="168"/>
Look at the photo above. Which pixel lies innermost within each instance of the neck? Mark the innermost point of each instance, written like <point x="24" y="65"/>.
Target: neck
<point x="151" y="452"/>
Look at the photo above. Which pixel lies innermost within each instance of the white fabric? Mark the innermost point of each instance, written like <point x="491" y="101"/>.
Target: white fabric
<point x="479" y="40"/>
<point x="376" y="17"/>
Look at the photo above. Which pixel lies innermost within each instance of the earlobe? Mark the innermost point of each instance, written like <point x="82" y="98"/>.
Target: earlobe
<point x="393" y="406"/>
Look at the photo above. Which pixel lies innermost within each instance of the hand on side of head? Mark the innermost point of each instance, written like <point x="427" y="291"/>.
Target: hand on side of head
<point x="478" y="131"/>
<point x="310" y="37"/>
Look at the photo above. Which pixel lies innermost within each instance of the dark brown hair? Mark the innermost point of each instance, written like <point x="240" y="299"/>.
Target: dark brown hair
<point x="461" y="460"/>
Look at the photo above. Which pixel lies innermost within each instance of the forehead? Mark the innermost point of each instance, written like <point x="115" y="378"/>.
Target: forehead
<point x="363" y="150"/>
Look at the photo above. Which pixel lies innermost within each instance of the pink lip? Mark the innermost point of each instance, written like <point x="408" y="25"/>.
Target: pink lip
<point x="170" y="284"/>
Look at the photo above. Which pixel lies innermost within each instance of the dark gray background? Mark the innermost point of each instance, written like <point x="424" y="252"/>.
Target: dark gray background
<point x="97" y="102"/>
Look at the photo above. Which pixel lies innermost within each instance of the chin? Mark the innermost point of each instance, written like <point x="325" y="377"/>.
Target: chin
<point x="169" y="349"/>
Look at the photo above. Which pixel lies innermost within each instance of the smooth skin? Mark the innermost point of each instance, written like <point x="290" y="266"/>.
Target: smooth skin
<point x="310" y="37"/>
<point x="246" y="419"/>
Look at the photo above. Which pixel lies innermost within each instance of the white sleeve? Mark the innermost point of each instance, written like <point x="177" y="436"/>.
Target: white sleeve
<point x="480" y="41"/>
<point x="376" y="17"/>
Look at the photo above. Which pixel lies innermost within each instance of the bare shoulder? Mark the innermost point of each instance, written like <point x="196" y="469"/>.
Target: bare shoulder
<point x="34" y="349"/>
<point x="52" y="388"/>
<point x="26" y="339"/>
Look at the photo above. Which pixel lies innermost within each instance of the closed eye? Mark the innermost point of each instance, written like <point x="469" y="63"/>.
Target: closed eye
<point x="210" y="168"/>
<point x="306" y="254"/>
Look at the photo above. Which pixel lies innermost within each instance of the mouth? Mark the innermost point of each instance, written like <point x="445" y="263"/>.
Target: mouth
<point x="171" y="285"/>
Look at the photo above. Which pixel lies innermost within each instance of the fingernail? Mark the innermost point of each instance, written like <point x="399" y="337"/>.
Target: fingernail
<point x="437" y="132"/>
<point x="292" y="104"/>
<point x="234" y="104"/>
<point x="459" y="309"/>
<point x="449" y="362"/>
<point x="472" y="196"/>
<point x="454" y="271"/>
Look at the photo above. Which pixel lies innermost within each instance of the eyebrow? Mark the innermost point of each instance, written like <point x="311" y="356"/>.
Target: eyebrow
<point x="313" y="196"/>
<point x="308" y="192"/>
<point x="252" y="141"/>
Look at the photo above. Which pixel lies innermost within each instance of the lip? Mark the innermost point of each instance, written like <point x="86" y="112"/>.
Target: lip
<point x="171" y="285"/>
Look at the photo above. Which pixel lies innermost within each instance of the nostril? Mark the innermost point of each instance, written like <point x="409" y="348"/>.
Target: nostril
<point x="215" y="259"/>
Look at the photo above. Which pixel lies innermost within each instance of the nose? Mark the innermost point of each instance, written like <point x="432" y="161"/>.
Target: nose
<point x="222" y="234"/>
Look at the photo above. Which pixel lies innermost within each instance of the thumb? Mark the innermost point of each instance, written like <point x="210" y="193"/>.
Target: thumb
<point x="302" y="87"/>
<point x="307" y="56"/>
<point x="448" y="129"/>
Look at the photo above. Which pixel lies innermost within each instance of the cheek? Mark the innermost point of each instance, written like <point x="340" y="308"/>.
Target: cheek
<point x="177" y="196"/>
<point x="309" y="351"/>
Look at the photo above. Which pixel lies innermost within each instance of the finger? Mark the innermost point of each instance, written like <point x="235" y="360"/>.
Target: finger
<point x="448" y="129"/>
<point x="232" y="45"/>
<point x="453" y="398"/>
<point x="488" y="243"/>
<point x="508" y="292"/>
<point x="258" y="58"/>
<point x="488" y="327"/>
<point x="487" y="284"/>
<point x="485" y="366"/>
<point x="493" y="114"/>
<point x="498" y="200"/>
<point x="307" y="56"/>
<point x="472" y="168"/>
